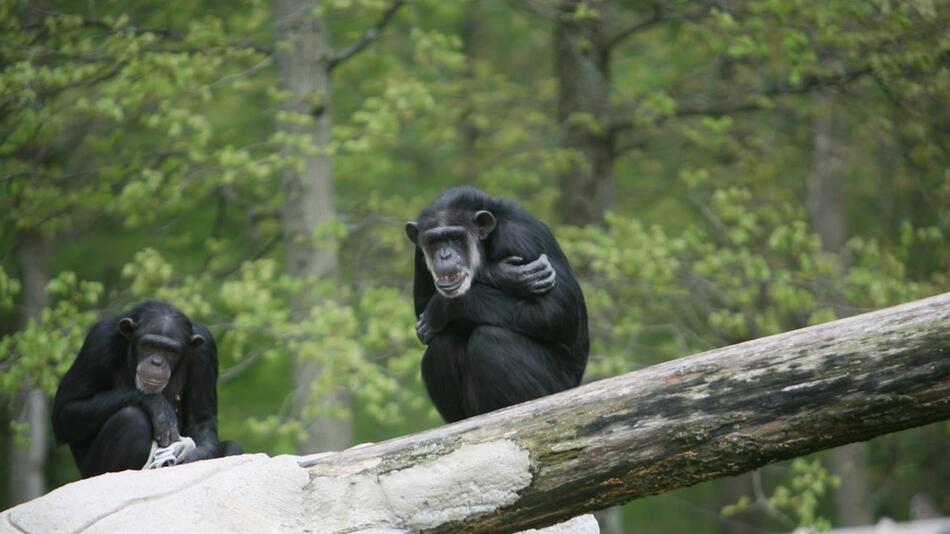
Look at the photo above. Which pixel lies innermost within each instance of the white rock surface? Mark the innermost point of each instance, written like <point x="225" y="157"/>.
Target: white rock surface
<point x="582" y="524"/>
<point x="249" y="493"/>
<point x="254" y="493"/>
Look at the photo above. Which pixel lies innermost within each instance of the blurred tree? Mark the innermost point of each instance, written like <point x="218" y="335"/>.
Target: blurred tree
<point x="28" y="459"/>
<point x="304" y="61"/>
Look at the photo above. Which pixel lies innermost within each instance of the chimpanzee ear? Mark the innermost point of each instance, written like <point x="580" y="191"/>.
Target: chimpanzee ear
<point x="485" y="222"/>
<point x="127" y="327"/>
<point x="197" y="340"/>
<point x="412" y="231"/>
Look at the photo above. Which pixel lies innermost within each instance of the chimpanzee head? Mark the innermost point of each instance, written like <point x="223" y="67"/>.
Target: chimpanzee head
<point x="451" y="241"/>
<point x="158" y="339"/>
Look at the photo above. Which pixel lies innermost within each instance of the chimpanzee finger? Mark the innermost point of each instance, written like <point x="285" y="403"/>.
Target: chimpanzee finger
<point x="163" y="438"/>
<point x="538" y="265"/>
<point x="546" y="280"/>
<point x="513" y="260"/>
<point x="423" y="331"/>
<point x="547" y="284"/>
<point x="420" y="331"/>
<point x="543" y="274"/>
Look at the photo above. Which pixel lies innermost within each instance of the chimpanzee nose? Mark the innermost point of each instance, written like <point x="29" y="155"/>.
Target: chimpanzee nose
<point x="445" y="254"/>
<point x="155" y="360"/>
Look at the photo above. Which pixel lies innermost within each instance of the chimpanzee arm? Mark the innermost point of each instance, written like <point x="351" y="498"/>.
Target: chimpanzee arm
<point x="200" y="398"/>
<point x="81" y="418"/>
<point x="88" y="395"/>
<point x="423" y="287"/>
<point x="554" y="317"/>
<point x="520" y="277"/>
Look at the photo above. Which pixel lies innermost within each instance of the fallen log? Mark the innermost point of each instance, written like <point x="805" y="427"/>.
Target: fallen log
<point x="715" y="414"/>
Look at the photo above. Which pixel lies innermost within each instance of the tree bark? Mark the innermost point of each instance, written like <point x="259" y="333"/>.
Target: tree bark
<point x="303" y="59"/>
<point x="715" y="414"/>
<point x="28" y="462"/>
<point x="582" y="63"/>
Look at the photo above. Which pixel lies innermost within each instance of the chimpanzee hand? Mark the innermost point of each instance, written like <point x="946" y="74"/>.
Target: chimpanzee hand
<point x="164" y="420"/>
<point x="517" y="278"/>
<point x="438" y="313"/>
<point x="423" y="330"/>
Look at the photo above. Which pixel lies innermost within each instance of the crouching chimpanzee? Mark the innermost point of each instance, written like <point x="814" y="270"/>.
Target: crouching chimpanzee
<point x="497" y="304"/>
<point x="141" y="376"/>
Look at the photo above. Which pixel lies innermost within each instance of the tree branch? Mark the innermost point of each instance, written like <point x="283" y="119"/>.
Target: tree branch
<point x="368" y="36"/>
<point x="637" y="27"/>
<point x="809" y="84"/>
<point x="541" y="8"/>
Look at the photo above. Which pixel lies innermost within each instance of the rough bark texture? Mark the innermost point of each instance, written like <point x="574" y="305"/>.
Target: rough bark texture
<point x="582" y="63"/>
<point x="303" y="68"/>
<point x="28" y="463"/>
<point x="711" y="415"/>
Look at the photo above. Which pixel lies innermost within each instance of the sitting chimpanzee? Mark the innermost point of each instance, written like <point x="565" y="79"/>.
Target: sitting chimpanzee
<point x="500" y="329"/>
<point x="141" y="376"/>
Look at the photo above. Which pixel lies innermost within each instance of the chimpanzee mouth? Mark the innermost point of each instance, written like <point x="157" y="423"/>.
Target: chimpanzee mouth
<point x="450" y="282"/>
<point x="149" y="385"/>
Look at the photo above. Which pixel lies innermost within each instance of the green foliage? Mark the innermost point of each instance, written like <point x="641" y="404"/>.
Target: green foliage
<point x="38" y="354"/>
<point x="753" y="270"/>
<point x="9" y="288"/>
<point x="810" y="482"/>
<point x="795" y="501"/>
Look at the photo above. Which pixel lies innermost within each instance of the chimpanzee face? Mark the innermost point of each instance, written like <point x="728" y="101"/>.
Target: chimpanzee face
<point x="157" y="345"/>
<point x="451" y="244"/>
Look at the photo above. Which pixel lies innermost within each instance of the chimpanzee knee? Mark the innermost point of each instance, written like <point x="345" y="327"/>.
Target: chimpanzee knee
<point x="441" y="374"/>
<point x="229" y="448"/>
<point x="123" y="442"/>
<point x="506" y="368"/>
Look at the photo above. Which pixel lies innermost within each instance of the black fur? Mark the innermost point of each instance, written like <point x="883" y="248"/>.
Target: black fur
<point x="108" y="423"/>
<point x="489" y="348"/>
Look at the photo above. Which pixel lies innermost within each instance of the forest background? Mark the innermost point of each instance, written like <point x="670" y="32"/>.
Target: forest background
<point x="716" y="171"/>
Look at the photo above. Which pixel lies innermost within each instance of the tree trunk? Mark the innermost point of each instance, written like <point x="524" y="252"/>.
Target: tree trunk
<point x="472" y="31"/>
<point x="303" y="58"/>
<point x="826" y="209"/>
<point x="582" y="62"/>
<point x="715" y="414"/>
<point x="28" y="459"/>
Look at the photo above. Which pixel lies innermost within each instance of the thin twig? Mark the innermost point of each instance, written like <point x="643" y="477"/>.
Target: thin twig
<point x="370" y="35"/>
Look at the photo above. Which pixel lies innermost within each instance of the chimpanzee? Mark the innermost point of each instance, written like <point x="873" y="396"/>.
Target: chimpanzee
<point x="140" y="376"/>
<point x="497" y="304"/>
